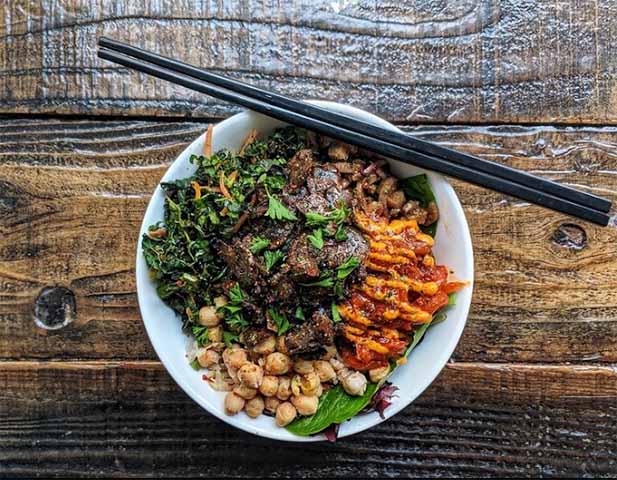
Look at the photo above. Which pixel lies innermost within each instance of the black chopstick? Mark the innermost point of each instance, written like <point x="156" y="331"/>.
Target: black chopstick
<point x="364" y="141"/>
<point x="352" y="124"/>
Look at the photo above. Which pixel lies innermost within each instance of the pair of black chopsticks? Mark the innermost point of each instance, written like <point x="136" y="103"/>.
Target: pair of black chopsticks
<point x="386" y="142"/>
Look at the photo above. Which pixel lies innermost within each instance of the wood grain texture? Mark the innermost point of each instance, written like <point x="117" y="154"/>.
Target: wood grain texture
<point x="129" y="419"/>
<point x="73" y="194"/>
<point x="461" y="61"/>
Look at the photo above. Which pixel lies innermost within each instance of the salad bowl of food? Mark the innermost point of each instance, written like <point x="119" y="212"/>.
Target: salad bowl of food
<point x="296" y="287"/>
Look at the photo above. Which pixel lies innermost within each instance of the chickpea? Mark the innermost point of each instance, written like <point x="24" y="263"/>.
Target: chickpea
<point x="208" y="316"/>
<point x="207" y="358"/>
<point x="271" y="403"/>
<point x="233" y="403"/>
<point x="296" y="382"/>
<point x="309" y="383"/>
<point x="266" y="346"/>
<point x="277" y="363"/>
<point x="269" y="386"/>
<point x="254" y="407"/>
<point x="284" y="390"/>
<point x="379" y="373"/>
<point x="234" y="358"/>
<point x="281" y="346"/>
<point x="250" y="375"/>
<point x="303" y="366"/>
<point x="285" y="413"/>
<point x="337" y="364"/>
<point x="245" y="392"/>
<point x="305" y="405"/>
<point x="354" y="383"/>
<point x="220" y="301"/>
<point x="324" y="370"/>
<point x="215" y="334"/>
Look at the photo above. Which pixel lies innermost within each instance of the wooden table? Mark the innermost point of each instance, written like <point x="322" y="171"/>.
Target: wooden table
<point x="532" y="386"/>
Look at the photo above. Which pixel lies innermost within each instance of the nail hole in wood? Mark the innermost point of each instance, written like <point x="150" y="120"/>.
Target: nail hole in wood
<point x="54" y="308"/>
<point x="570" y="236"/>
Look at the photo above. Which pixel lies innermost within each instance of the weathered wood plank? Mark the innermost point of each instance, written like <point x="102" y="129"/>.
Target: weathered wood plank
<point x="129" y="419"/>
<point x="73" y="194"/>
<point x="461" y="61"/>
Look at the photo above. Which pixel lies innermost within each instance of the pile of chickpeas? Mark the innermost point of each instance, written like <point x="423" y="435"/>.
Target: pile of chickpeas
<point x="275" y="384"/>
<point x="265" y="379"/>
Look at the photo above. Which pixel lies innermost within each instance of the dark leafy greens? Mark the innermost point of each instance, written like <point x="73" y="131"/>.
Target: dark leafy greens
<point x="205" y="208"/>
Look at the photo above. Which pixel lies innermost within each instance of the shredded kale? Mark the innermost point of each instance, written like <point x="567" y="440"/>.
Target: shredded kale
<point x="203" y="209"/>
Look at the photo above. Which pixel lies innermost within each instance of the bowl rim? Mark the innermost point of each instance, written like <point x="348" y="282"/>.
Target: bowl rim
<point x="444" y="354"/>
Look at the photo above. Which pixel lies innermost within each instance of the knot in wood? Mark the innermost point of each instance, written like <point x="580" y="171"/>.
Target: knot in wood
<point x="54" y="308"/>
<point x="571" y="236"/>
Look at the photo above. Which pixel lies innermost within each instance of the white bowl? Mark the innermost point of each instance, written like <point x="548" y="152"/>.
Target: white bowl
<point x="452" y="248"/>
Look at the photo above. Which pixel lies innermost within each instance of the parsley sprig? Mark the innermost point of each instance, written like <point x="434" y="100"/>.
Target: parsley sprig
<point x="277" y="210"/>
<point x="316" y="238"/>
<point x="336" y="315"/>
<point x="337" y="278"/>
<point x="232" y="311"/>
<point x="258" y="244"/>
<point x="337" y="216"/>
<point x="272" y="258"/>
<point x="201" y="335"/>
<point x="280" y="320"/>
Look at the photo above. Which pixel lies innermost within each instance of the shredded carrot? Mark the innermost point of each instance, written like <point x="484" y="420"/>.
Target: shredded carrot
<point x="233" y="176"/>
<point x="222" y="186"/>
<point x="224" y="212"/>
<point x="250" y="138"/>
<point x="197" y="189"/>
<point x="208" y="144"/>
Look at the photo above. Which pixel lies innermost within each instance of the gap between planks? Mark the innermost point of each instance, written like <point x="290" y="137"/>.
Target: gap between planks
<point x="80" y="117"/>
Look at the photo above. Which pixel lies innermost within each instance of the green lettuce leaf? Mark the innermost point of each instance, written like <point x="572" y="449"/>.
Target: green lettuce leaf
<point x="419" y="188"/>
<point x="335" y="406"/>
